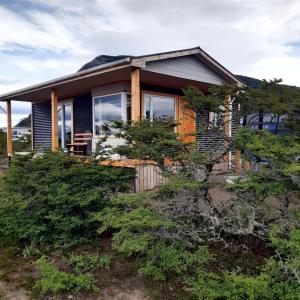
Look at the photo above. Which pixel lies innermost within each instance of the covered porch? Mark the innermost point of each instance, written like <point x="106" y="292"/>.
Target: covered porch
<point x="140" y="88"/>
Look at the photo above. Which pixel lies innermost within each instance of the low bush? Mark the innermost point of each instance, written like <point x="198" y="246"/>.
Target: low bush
<point x="53" y="199"/>
<point x="85" y="263"/>
<point x="262" y="185"/>
<point x="143" y="231"/>
<point x="57" y="282"/>
<point x="278" y="278"/>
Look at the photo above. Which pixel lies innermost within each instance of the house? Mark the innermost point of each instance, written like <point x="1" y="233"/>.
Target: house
<point x="118" y="88"/>
<point x="19" y="132"/>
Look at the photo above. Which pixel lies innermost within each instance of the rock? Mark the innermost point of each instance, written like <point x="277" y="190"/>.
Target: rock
<point x="275" y="206"/>
<point x="221" y="197"/>
<point x="293" y="199"/>
<point x="234" y="179"/>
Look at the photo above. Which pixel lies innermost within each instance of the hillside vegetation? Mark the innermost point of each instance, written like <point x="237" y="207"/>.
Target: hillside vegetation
<point x="76" y="230"/>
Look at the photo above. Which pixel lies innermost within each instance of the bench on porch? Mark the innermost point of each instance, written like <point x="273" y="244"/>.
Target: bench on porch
<point x="80" y="144"/>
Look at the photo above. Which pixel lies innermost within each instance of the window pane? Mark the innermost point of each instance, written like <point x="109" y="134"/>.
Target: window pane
<point x="107" y="109"/>
<point x="163" y="108"/>
<point x="128" y="98"/>
<point x="147" y="103"/>
<point x="68" y="124"/>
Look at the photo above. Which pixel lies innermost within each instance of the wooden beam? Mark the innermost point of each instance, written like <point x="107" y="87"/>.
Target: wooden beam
<point x="135" y="95"/>
<point x="246" y="166"/>
<point x="9" y="129"/>
<point x="237" y="161"/>
<point x="54" y="114"/>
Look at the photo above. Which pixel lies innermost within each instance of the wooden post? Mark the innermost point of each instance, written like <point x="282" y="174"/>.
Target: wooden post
<point x="246" y="165"/>
<point x="135" y="95"/>
<point x="237" y="161"/>
<point x="9" y="129"/>
<point x="227" y="125"/>
<point x="54" y="114"/>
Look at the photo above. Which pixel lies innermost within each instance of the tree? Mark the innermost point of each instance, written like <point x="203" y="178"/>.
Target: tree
<point x="2" y="143"/>
<point x="150" y="140"/>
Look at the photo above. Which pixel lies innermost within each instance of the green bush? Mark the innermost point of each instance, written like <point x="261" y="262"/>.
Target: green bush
<point x="209" y="286"/>
<point x="143" y="232"/>
<point x="2" y="143"/>
<point x="261" y="184"/>
<point x="85" y="263"/>
<point x="277" y="279"/>
<point x="54" y="199"/>
<point x="163" y="260"/>
<point x="57" y="282"/>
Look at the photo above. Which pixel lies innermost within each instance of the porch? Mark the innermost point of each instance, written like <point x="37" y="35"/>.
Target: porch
<point x="129" y="89"/>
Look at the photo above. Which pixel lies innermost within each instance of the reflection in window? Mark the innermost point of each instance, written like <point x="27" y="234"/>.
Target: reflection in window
<point x="106" y="110"/>
<point x="159" y="107"/>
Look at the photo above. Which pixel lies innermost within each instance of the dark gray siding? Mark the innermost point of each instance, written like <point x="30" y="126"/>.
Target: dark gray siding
<point x="83" y="114"/>
<point x="188" y="67"/>
<point x="208" y="140"/>
<point x="41" y="123"/>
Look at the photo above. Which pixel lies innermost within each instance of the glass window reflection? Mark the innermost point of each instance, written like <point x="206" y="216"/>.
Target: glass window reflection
<point x="106" y="110"/>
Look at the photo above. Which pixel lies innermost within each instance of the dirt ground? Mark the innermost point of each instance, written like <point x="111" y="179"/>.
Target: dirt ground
<point x="122" y="282"/>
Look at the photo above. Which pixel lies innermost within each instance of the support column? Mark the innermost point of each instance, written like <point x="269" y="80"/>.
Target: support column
<point x="135" y="95"/>
<point x="54" y="114"/>
<point x="227" y="122"/>
<point x="9" y="129"/>
<point x="237" y="161"/>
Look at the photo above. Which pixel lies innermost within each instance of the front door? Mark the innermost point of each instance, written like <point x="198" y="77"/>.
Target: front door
<point x="65" y="124"/>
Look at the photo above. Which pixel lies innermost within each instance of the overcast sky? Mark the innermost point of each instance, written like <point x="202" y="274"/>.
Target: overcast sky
<point x="41" y="40"/>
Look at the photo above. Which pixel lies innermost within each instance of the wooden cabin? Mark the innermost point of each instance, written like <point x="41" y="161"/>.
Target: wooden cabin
<point x="117" y="88"/>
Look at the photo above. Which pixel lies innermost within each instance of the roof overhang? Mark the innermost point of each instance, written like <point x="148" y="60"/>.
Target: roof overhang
<point x="83" y="81"/>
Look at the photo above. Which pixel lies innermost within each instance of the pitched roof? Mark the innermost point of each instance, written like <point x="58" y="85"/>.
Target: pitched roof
<point x="104" y="63"/>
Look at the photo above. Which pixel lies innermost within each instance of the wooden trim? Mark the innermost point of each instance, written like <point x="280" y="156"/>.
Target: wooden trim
<point x="187" y="121"/>
<point x="186" y="118"/>
<point x="135" y="95"/>
<point x="238" y="161"/>
<point x="54" y="119"/>
<point x="246" y="165"/>
<point x="9" y="129"/>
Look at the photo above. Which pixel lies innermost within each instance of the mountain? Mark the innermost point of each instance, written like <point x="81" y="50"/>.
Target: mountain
<point x="25" y="122"/>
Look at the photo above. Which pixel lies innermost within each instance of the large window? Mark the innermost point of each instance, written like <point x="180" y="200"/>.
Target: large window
<point x="107" y="109"/>
<point x="159" y="107"/>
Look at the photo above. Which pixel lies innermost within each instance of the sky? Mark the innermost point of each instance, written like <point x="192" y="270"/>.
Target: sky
<point x="41" y="40"/>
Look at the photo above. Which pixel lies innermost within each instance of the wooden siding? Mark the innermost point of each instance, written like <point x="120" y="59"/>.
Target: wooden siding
<point x="41" y="124"/>
<point x="148" y="177"/>
<point x="187" y="67"/>
<point x="187" y="121"/>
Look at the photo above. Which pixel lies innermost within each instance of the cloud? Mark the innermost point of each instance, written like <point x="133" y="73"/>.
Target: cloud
<point x="40" y="40"/>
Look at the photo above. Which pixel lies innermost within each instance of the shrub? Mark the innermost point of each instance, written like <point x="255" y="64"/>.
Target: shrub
<point x="164" y="260"/>
<point x="85" y="263"/>
<point x="262" y="185"/>
<point x="56" y="282"/>
<point x="208" y="286"/>
<point x="143" y="231"/>
<point x="54" y="199"/>
<point x="277" y="279"/>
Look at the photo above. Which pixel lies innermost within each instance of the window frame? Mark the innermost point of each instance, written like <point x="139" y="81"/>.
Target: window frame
<point x="123" y="108"/>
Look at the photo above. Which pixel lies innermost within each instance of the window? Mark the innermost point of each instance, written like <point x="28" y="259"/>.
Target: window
<point x="108" y="109"/>
<point x="159" y="107"/>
